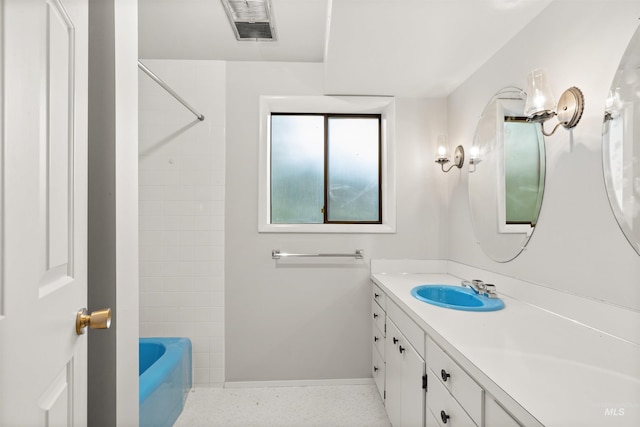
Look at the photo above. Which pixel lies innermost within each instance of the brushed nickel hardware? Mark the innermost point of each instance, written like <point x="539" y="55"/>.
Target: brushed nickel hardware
<point x="481" y="288"/>
<point x="540" y="105"/>
<point x="458" y="158"/>
<point x="358" y="254"/>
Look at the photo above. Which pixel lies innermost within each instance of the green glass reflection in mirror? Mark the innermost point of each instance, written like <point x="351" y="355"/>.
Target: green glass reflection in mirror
<point x="506" y="176"/>
<point x="524" y="172"/>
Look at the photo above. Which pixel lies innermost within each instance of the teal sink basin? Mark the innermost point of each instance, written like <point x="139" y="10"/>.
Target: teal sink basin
<point x="456" y="297"/>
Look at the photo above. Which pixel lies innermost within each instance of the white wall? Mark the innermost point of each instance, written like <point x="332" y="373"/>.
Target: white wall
<point x="577" y="246"/>
<point x="312" y="321"/>
<point x="113" y="211"/>
<point x="182" y="172"/>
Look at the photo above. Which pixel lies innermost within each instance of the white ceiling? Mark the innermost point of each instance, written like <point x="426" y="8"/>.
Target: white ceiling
<point x="411" y="48"/>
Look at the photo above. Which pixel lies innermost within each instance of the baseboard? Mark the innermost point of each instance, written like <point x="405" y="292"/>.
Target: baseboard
<point x="298" y="383"/>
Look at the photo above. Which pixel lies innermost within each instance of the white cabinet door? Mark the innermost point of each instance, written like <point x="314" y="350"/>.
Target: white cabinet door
<point x="43" y="211"/>
<point x="393" y="399"/>
<point x="405" y="368"/>
<point x="413" y="395"/>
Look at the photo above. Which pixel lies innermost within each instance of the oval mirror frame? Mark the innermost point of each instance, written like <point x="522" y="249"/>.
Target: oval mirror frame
<point x="506" y="176"/>
<point x="621" y="143"/>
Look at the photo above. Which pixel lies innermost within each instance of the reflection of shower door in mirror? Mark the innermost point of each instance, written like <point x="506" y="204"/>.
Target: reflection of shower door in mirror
<point x="43" y="203"/>
<point x="523" y="177"/>
<point x="521" y="169"/>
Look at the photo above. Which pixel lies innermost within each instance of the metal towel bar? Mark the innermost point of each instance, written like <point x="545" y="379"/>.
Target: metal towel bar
<point x="276" y="254"/>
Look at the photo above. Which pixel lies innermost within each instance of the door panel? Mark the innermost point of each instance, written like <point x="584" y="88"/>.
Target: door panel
<point x="43" y="237"/>
<point x="57" y="400"/>
<point x="57" y="149"/>
<point x="60" y="62"/>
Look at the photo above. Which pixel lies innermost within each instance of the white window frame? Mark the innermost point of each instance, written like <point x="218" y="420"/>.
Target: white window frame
<point x="385" y="106"/>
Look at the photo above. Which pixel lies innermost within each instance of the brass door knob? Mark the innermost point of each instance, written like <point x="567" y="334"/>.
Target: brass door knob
<point x="100" y="319"/>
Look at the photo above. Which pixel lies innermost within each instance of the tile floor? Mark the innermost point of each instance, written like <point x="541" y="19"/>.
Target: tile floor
<point x="317" y="406"/>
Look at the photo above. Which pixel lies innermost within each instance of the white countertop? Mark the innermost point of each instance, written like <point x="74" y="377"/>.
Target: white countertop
<point x="563" y="373"/>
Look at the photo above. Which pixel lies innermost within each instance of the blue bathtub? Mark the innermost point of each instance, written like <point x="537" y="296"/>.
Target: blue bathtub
<point x="165" y="379"/>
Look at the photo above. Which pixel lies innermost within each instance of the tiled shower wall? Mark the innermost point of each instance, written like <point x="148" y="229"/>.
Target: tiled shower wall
<point x="182" y="172"/>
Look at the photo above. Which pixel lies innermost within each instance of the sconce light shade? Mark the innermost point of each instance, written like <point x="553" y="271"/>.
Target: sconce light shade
<point x="540" y="105"/>
<point x="539" y="96"/>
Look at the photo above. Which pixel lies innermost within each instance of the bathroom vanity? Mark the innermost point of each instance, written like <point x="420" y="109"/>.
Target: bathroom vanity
<point x="521" y="365"/>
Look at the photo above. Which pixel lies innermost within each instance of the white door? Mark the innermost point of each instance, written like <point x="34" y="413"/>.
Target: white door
<point x="405" y="368"/>
<point x="43" y="200"/>
<point x="394" y="374"/>
<point x="413" y="395"/>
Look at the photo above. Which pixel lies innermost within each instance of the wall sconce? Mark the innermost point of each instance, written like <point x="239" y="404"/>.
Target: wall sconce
<point x="442" y="158"/>
<point x="541" y="106"/>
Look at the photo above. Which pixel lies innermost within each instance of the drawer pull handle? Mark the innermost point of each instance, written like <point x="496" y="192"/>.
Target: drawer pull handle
<point x="445" y="375"/>
<point x="376" y="296"/>
<point x="395" y="340"/>
<point x="402" y="349"/>
<point x="444" y="416"/>
<point x="375" y="339"/>
<point x="375" y="369"/>
<point x="375" y="315"/>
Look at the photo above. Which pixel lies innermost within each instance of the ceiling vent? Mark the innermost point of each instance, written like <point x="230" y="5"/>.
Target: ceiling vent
<point x="251" y="20"/>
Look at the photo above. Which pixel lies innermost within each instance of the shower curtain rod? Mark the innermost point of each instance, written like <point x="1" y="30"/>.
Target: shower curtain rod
<point x="166" y="87"/>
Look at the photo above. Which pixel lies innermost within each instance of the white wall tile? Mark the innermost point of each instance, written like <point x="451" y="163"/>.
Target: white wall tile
<point x="181" y="181"/>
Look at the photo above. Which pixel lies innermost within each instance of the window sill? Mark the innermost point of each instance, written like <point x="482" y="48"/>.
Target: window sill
<point x="327" y="228"/>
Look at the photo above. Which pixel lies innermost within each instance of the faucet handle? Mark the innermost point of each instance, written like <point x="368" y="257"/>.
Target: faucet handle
<point x="491" y="290"/>
<point x="478" y="284"/>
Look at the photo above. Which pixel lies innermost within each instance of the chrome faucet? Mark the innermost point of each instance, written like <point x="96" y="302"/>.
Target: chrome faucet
<point x="481" y="288"/>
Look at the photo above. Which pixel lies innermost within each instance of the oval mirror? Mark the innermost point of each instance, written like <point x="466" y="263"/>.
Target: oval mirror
<point x="621" y="143"/>
<point x="506" y="176"/>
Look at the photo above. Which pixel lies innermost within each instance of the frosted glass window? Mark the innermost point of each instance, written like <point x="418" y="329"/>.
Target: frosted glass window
<point x="297" y="169"/>
<point x="325" y="169"/>
<point x="353" y="169"/>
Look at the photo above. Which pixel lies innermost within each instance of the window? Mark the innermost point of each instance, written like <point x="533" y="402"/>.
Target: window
<point x="327" y="164"/>
<point x="325" y="169"/>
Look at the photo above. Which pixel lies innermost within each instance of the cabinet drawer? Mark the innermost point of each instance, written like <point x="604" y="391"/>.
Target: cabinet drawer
<point x="378" y="369"/>
<point x="378" y="316"/>
<point x="377" y="338"/>
<point x="379" y="296"/>
<point x="455" y="379"/>
<point x="440" y="404"/>
<point x="409" y="328"/>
